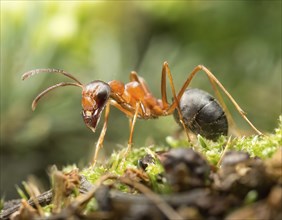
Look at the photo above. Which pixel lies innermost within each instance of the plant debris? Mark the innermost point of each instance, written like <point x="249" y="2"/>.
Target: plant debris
<point x="203" y="180"/>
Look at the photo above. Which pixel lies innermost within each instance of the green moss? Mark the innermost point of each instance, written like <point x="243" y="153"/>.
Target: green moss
<point x="260" y="146"/>
<point x="120" y="161"/>
<point x="257" y="146"/>
<point x="94" y="173"/>
<point x="251" y="197"/>
<point x="48" y="209"/>
<point x="21" y="193"/>
<point x="91" y="206"/>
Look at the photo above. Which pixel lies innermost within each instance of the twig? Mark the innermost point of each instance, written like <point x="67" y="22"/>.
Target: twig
<point x="157" y="200"/>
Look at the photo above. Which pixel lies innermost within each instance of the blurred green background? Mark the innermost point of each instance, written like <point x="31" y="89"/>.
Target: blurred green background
<point x="239" y="41"/>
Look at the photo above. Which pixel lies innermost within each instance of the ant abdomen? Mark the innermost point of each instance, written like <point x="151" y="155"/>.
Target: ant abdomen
<point x="202" y="114"/>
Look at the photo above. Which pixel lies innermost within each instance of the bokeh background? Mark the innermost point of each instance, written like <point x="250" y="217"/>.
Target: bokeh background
<point x="239" y="41"/>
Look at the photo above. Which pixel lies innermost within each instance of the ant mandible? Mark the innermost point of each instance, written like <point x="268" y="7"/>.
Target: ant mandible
<point x="136" y="101"/>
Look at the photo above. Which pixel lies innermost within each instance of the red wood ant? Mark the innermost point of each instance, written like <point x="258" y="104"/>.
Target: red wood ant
<point x="136" y="101"/>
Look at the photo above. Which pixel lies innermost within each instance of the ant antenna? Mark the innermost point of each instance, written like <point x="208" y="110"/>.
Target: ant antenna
<point x="48" y="70"/>
<point x="38" y="97"/>
<point x="28" y="74"/>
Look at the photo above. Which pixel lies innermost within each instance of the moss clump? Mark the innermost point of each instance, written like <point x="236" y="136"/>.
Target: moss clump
<point x="121" y="162"/>
<point x="256" y="146"/>
<point x="163" y="172"/>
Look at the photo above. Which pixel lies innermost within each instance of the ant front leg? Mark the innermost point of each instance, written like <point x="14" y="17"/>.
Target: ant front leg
<point x="99" y="144"/>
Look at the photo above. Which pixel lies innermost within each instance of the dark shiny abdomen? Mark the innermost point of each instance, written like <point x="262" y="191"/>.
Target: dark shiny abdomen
<point x="202" y="114"/>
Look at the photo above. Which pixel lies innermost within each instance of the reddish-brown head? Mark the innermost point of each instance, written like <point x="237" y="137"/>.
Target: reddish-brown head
<point x="94" y="95"/>
<point x="94" y="99"/>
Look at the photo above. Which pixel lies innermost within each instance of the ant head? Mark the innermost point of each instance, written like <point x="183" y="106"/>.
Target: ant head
<point x="94" y="98"/>
<point x="94" y="95"/>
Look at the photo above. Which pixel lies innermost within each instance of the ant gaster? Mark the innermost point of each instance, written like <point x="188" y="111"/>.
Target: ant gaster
<point x="202" y="114"/>
<point x="136" y="101"/>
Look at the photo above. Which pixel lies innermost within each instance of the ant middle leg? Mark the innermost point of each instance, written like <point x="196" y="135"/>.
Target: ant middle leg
<point x="132" y="122"/>
<point x="166" y="71"/>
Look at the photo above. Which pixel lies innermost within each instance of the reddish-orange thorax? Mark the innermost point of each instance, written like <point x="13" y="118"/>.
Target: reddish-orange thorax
<point x="132" y="93"/>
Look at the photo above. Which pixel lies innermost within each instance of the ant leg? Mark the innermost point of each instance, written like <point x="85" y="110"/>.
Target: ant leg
<point x="166" y="70"/>
<point x="132" y="122"/>
<point x="216" y="81"/>
<point x="99" y="144"/>
<point x="135" y="77"/>
<point x="242" y="113"/>
<point x="122" y="109"/>
<point x="163" y="86"/>
<point x="222" y="103"/>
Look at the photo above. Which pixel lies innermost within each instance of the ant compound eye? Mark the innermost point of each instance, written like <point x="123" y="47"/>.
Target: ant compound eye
<point x="102" y="95"/>
<point x="98" y="91"/>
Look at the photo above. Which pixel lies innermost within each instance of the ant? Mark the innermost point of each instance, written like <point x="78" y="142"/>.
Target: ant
<point x="195" y="109"/>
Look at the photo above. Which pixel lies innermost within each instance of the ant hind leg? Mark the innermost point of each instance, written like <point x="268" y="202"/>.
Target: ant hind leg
<point x="239" y="109"/>
<point x="214" y="81"/>
<point x="230" y="119"/>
